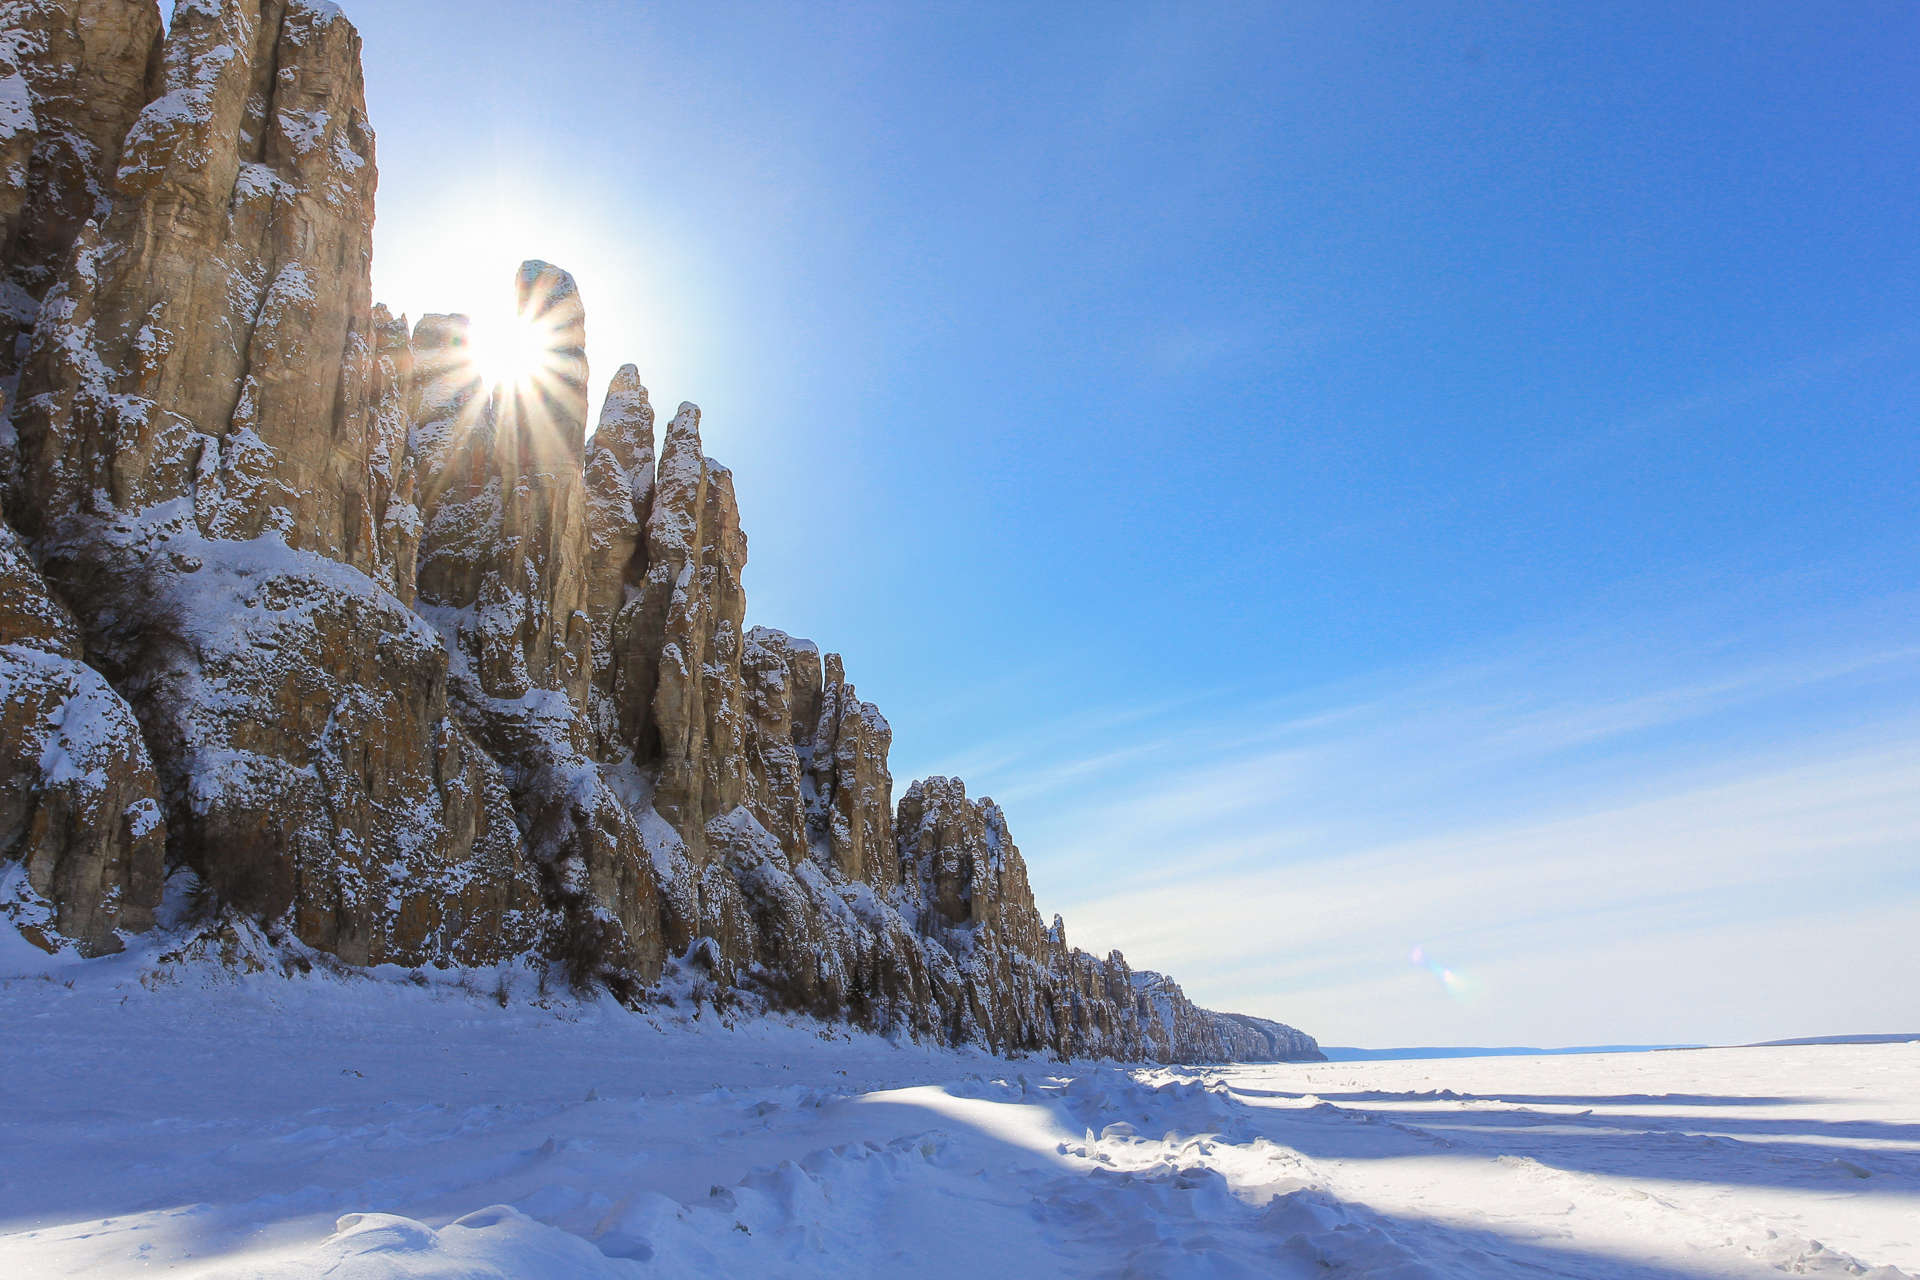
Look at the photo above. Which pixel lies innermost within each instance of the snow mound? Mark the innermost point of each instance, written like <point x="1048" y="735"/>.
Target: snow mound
<point x="496" y="1243"/>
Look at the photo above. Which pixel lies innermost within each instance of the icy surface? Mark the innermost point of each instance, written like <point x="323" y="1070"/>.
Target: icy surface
<point x="168" y="1118"/>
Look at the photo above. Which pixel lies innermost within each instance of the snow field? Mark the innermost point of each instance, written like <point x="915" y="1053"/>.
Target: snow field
<point x="183" y="1120"/>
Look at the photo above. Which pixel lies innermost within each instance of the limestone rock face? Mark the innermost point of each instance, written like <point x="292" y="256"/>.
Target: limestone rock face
<point x="17" y="132"/>
<point x="1248" y="1039"/>
<point x="312" y="768"/>
<point x="377" y="643"/>
<point x="816" y="759"/>
<point x="391" y="464"/>
<point x="213" y="426"/>
<point x="208" y="343"/>
<point x="504" y="574"/>
<point x="811" y="941"/>
<point x="29" y="615"/>
<point x="851" y="805"/>
<point x="619" y="488"/>
<point x="976" y="904"/>
<point x="782" y="679"/>
<point x="82" y="836"/>
<point x="971" y="874"/>
<point x="73" y="76"/>
<point x="1022" y="986"/>
<point x="679" y="645"/>
<point x="1172" y="1026"/>
<point x="504" y="512"/>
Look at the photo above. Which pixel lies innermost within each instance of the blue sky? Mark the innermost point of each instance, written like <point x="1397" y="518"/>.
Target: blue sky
<point x="1346" y="477"/>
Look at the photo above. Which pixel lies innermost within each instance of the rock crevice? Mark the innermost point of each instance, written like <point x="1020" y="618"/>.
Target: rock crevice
<point x="391" y="656"/>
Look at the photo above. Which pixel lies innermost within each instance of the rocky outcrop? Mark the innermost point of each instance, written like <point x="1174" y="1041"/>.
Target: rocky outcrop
<point x="504" y="513"/>
<point x="851" y="799"/>
<point x="390" y="465"/>
<point x="315" y="772"/>
<point x="208" y="343"/>
<point x="212" y="423"/>
<point x="1248" y="1039"/>
<point x="504" y="574"/>
<point x="73" y="76"/>
<point x="619" y="489"/>
<point x="782" y="678"/>
<point x="680" y="644"/>
<point x="389" y="654"/>
<point x="81" y="827"/>
<point x="1169" y="1021"/>
<point x="1025" y="987"/>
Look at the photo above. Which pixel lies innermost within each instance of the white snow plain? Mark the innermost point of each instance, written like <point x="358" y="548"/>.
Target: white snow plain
<point x="180" y="1119"/>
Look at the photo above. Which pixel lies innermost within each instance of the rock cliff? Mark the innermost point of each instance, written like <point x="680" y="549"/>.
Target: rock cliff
<point x="1249" y="1039"/>
<point x="403" y="664"/>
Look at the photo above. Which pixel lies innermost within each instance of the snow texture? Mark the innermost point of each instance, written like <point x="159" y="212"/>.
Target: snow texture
<point x="16" y="107"/>
<point x="165" y="1114"/>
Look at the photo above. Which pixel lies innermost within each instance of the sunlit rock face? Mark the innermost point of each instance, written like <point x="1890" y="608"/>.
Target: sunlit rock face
<point x="504" y="512"/>
<point x="73" y="76"/>
<point x="504" y="574"/>
<point x="1170" y="1023"/>
<point x="353" y="620"/>
<point x="208" y="343"/>
<point x="1025" y="988"/>
<point x="782" y="678"/>
<point x="619" y="490"/>
<point x="684" y="639"/>
<point x="971" y="883"/>
<point x="850" y="813"/>
<point x="391" y="464"/>
<point x="1248" y="1039"/>
<point x="212" y="423"/>
<point x="316" y="774"/>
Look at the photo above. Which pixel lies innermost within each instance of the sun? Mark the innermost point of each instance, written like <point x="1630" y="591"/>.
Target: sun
<point x="528" y="358"/>
<point x="509" y="349"/>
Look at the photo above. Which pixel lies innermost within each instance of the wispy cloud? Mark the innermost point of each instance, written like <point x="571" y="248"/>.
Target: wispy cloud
<point x="1043" y="757"/>
<point x="1518" y="812"/>
<point x="1684" y="413"/>
<point x="1762" y="851"/>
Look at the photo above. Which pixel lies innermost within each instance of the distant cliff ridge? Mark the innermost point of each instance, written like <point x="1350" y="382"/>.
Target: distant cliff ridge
<point x="404" y="665"/>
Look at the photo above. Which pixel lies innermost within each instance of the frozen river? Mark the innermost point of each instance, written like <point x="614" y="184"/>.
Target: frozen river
<point x="370" y="1130"/>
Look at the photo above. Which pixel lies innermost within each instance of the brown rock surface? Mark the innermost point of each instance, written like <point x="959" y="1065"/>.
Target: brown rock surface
<point x="504" y="574"/>
<point x="1171" y="1026"/>
<point x="207" y="369"/>
<point x="391" y="464"/>
<point x="850" y="812"/>
<point x="503" y="507"/>
<point x="73" y="75"/>
<point x="782" y="678"/>
<point x="315" y="774"/>
<point x="80" y="814"/>
<point x="210" y="344"/>
<point x="619" y="488"/>
<point x="392" y="658"/>
<point x="679" y="645"/>
<point x="972" y="883"/>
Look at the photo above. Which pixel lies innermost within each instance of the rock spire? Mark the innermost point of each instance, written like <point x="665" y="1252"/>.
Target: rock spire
<point x="301" y="607"/>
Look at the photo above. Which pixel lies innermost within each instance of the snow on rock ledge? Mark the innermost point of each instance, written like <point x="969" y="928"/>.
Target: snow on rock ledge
<point x="80" y="811"/>
<point x="404" y="667"/>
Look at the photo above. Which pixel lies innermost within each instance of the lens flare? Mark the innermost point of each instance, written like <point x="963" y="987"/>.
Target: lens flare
<point x="533" y="349"/>
<point x="1460" y="986"/>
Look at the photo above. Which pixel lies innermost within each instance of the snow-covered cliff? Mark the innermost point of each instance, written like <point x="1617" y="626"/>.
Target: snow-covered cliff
<point x="403" y="665"/>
